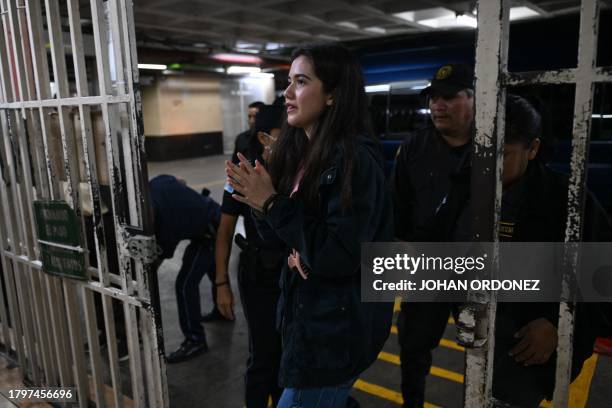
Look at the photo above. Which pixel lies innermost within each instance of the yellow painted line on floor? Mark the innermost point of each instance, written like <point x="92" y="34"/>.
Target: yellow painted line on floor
<point x="443" y="342"/>
<point x="437" y="371"/>
<point x="451" y="344"/>
<point x="384" y="393"/>
<point x="397" y="305"/>
<point x="579" y="389"/>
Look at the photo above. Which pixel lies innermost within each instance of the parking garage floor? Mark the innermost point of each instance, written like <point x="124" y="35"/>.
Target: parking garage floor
<point x="215" y="379"/>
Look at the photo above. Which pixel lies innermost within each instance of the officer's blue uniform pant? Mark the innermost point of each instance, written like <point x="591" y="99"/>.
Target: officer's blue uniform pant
<point x="198" y="261"/>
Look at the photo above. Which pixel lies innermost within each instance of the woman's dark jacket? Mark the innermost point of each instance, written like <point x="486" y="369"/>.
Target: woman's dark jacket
<point x="329" y="335"/>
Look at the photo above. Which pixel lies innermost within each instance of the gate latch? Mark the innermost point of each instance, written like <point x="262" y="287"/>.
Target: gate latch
<point x="142" y="247"/>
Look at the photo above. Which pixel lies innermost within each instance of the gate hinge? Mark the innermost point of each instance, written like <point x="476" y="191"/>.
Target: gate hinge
<point x="141" y="247"/>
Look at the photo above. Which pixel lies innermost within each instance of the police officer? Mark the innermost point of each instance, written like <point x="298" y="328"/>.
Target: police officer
<point x="258" y="273"/>
<point x="533" y="209"/>
<point x="421" y="180"/>
<point x="181" y="213"/>
<point x="244" y="139"/>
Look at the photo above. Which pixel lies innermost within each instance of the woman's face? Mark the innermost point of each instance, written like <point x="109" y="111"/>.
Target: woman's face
<point x="305" y="98"/>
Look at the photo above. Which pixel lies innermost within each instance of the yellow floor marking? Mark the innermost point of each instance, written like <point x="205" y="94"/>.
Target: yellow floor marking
<point x="397" y="305"/>
<point x="444" y="342"/>
<point x="437" y="371"/>
<point x="579" y="389"/>
<point x="451" y="344"/>
<point x="384" y="393"/>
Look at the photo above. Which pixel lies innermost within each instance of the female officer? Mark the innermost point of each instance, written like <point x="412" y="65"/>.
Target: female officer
<point x="324" y="195"/>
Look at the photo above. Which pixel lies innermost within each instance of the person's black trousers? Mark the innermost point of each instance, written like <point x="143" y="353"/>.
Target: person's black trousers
<point x="420" y="327"/>
<point x="198" y="260"/>
<point x="259" y="300"/>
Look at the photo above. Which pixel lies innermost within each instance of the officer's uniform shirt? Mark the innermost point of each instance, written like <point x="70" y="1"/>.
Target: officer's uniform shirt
<point x="235" y="208"/>
<point x="421" y="179"/>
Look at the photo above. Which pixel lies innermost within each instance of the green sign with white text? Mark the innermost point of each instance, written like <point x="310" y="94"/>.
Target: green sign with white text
<point x="59" y="237"/>
<point x="63" y="262"/>
<point x="56" y="222"/>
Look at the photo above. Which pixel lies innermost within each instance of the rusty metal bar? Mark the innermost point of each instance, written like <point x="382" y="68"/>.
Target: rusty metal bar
<point x="583" y="108"/>
<point x="67" y="102"/>
<point x="476" y="324"/>
<point x="145" y="273"/>
<point x="95" y="354"/>
<point x="23" y="64"/>
<point x="13" y="129"/>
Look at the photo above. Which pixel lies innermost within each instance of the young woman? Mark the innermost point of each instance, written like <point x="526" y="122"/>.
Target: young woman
<point x="323" y="194"/>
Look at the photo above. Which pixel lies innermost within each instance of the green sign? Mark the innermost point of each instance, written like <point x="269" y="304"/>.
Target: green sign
<point x="63" y="262"/>
<point x="56" y="222"/>
<point x="59" y="236"/>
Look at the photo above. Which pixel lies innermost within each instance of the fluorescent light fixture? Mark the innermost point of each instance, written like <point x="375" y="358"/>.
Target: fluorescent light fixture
<point x="377" y="88"/>
<point x="450" y="21"/>
<point x="468" y="21"/>
<point x="160" y="67"/>
<point x="519" y="13"/>
<point x="406" y="15"/>
<point x="239" y="70"/>
<point x="425" y="14"/>
<point x="244" y="44"/>
<point x="274" y="46"/>
<point x="237" y="58"/>
<point x="419" y="87"/>
<point x="328" y="37"/>
<point x="601" y="116"/>
<point x="423" y="111"/>
<point x="347" y="24"/>
<point x="262" y="75"/>
<point x="376" y="30"/>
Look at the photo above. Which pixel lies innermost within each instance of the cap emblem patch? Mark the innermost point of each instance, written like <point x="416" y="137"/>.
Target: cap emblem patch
<point x="444" y="72"/>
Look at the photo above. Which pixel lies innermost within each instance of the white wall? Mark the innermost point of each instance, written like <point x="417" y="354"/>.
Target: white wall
<point x="236" y="94"/>
<point x="178" y="105"/>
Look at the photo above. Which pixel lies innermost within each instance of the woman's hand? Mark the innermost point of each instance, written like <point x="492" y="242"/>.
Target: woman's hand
<point x="254" y="183"/>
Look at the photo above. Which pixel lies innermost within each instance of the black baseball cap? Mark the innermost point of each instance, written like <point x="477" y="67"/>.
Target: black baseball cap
<point x="268" y="117"/>
<point x="450" y="79"/>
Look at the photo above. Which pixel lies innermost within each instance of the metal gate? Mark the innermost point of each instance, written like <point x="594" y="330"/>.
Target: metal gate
<point x="477" y="319"/>
<point x="74" y="201"/>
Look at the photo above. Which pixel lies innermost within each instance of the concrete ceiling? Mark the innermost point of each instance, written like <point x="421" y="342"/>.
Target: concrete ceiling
<point x="263" y="25"/>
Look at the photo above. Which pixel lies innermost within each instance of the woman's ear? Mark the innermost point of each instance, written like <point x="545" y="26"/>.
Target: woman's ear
<point x="534" y="147"/>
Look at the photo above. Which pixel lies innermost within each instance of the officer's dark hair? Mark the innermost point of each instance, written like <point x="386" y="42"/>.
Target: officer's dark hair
<point x="523" y="121"/>
<point x="256" y="104"/>
<point x="340" y="124"/>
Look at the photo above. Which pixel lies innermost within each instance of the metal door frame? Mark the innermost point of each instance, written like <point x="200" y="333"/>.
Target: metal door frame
<point x="48" y="314"/>
<point x="477" y="319"/>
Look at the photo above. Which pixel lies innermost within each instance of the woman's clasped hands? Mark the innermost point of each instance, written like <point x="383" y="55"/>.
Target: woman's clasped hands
<point x="253" y="183"/>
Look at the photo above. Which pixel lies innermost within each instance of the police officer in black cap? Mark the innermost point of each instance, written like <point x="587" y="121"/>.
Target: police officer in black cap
<point x="258" y="273"/>
<point x="421" y="180"/>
